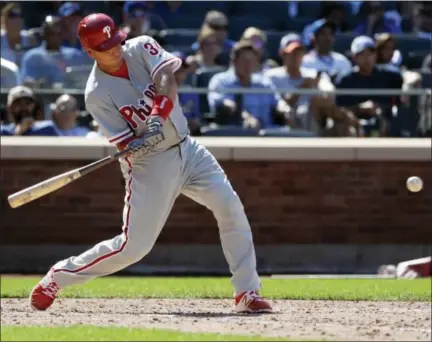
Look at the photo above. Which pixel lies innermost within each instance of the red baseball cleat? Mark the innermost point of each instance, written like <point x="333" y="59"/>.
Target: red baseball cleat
<point x="251" y="302"/>
<point x="44" y="293"/>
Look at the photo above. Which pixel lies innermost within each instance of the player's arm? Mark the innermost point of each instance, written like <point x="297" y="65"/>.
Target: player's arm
<point x="161" y="65"/>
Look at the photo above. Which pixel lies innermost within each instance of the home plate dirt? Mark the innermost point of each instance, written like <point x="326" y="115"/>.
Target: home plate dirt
<point x="331" y="320"/>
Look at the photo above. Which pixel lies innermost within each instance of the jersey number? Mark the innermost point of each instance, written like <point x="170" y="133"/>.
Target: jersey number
<point x="153" y="50"/>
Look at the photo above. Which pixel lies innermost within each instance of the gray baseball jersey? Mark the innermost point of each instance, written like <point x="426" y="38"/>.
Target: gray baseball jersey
<point x="154" y="182"/>
<point x="121" y="106"/>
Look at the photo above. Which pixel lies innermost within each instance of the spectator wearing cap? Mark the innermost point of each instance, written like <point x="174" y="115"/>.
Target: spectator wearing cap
<point x="46" y="65"/>
<point x="308" y="112"/>
<point x="388" y="57"/>
<point x="218" y="22"/>
<point x="21" y="106"/>
<point x="253" y="111"/>
<point x="138" y="20"/>
<point x="13" y="38"/>
<point x="376" y="21"/>
<point x="65" y="117"/>
<point x="138" y="15"/>
<point x="365" y="75"/>
<point x="321" y="57"/>
<point x="9" y="74"/>
<point x="189" y="102"/>
<point x="259" y="39"/>
<point x="72" y="13"/>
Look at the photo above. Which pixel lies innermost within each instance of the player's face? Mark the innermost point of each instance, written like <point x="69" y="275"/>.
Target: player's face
<point x="294" y="58"/>
<point x="387" y="51"/>
<point x="366" y="60"/>
<point x="246" y="63"/>
<point x="109" y="57"/>
<point x="325" y="38"/>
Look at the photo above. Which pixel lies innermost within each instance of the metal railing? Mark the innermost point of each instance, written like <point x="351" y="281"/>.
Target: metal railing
<point x="191" y="90"/>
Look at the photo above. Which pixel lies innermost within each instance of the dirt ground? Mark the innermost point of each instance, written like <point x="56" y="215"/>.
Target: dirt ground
<point x="331" y="320"/>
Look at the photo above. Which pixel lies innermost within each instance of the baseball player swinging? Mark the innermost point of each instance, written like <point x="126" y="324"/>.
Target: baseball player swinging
<point x="131" y="93"/>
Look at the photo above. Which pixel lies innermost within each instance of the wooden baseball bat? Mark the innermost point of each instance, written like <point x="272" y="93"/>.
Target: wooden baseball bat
<point x="50" y="185"/>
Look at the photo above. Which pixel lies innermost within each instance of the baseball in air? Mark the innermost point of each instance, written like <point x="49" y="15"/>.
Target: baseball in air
<point x="414" y="184"/>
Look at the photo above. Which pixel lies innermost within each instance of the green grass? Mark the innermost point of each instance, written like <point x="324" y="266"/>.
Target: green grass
<point x="93" y="333"/>
<point x="176" y="287"/>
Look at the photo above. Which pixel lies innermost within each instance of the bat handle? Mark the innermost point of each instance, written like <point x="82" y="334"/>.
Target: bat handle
<point x="102" y="162"/>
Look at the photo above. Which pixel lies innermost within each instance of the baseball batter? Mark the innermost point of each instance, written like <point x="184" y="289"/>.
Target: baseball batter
<point x="131" y="93"/>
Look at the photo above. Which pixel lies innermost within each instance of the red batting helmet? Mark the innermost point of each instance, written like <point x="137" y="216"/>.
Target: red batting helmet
<point x="98" y="32"/>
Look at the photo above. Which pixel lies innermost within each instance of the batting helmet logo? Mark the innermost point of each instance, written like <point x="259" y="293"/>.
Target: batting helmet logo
<point x="107" y="31"/>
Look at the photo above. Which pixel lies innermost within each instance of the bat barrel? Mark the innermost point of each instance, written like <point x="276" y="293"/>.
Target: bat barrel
<point x="38" y="190"/>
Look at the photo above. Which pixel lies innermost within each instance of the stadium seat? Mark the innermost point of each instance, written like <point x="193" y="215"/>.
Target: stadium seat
<point x="426" y="82"/>
<point x="343" y="42"/>
<point x="296" y="24"/>
<point x="286" y="132"/>
<point x="411" y="43"/>
<point x="227" y="131"/>
<point x="180" y="37"/>
<point x="309" y="9"/>
<point x="186" y="21"/>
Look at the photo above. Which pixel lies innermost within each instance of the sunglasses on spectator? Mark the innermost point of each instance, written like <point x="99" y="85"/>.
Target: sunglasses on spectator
<point x="218" y="27"/>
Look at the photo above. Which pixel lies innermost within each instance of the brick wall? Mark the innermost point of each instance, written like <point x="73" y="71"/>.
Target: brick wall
<point x="287" y="202"/>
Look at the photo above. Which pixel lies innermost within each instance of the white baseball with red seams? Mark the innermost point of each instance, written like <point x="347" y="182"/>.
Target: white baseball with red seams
<point x="179" y="165"/>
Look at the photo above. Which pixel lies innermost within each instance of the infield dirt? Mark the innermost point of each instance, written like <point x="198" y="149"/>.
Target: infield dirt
<point x="330" y="320"/>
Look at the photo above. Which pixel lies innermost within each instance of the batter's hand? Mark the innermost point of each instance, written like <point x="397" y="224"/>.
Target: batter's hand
<point x="154" y="134"/>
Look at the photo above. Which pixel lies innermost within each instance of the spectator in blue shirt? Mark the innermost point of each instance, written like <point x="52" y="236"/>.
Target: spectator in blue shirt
<point x="218" y="22"/>
<point x="21" y="105"/>
<point x="46" y="65"/>
<point x="65" y="117"/>
<point x="189" y="102"/>
<point x="72" y="13"/>
<point x="377" y="21"/>
<point x="252" y="111"/>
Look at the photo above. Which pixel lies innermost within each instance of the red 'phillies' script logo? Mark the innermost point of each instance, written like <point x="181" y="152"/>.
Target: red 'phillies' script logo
<point x="135" y="114"/>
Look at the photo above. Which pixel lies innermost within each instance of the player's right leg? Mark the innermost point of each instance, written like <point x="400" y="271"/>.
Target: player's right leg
<point x="151" y="190"/>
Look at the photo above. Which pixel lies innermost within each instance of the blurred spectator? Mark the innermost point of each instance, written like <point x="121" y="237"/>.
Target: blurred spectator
<point x="421" y="20"/>
<point x="13" y="38"/>
<point x="138" y="20"/>
<point x="21" y="106"/>
<point x="65" y="117"/>
<point x="377" y="110"/>
<point x="9" y="74"/>
<point x="72" y="13"/>
<point x="425" y="104"/>
<point x="322" y="58"/>
<point x="376" y="21"/>
<point x="388" y="57"/>
<point x="164" y="9"/>
<point x="258" y="38"/>
<point x="45" y="65"/>
<point x="218" y="22"/>
<point x="189" y="102"/>
<point x="138" y="14"/>
<point x="309" y="112"/>
<point x="252" y="111"/>
<point x="209" y="49"/>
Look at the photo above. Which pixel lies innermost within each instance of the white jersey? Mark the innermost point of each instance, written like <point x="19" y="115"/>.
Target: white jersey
<point x="335" y="65"/>
<point x="121" y="106"/>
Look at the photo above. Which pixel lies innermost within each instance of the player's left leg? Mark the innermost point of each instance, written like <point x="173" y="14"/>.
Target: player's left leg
<point x="207" y="184"/>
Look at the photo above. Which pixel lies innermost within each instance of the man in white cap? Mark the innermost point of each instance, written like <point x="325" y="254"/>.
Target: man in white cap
<point x="21" y="105"/>
<point x="365" y="75"/>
